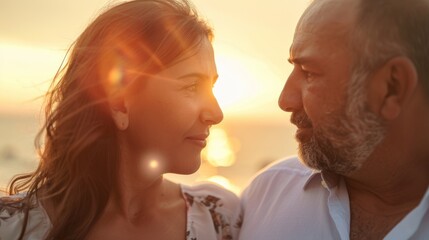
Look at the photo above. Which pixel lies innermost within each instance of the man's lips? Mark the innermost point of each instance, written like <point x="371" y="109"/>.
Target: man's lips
<point x="301" y="121"/>
<point x="304" y="125"/>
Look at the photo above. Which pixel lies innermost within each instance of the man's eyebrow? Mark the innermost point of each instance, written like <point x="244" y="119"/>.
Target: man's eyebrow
<point x="293" y="60"/>
<point x="299" y="60"/>
<point x="200" y="76"/>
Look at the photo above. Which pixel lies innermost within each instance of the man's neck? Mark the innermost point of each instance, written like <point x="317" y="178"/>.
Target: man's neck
<point x="390" y="182"/>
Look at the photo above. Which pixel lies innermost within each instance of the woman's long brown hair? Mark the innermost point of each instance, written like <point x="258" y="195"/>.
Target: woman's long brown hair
<point x="78" y="146"/>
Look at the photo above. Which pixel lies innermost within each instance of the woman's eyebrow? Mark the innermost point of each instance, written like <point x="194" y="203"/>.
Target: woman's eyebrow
<point x="200" y="76"/>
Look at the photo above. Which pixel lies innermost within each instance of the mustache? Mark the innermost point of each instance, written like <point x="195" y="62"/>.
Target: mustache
<point x="301" y="120"/>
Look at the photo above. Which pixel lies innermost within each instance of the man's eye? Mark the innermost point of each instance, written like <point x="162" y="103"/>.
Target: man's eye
<point x="308" y="75"/>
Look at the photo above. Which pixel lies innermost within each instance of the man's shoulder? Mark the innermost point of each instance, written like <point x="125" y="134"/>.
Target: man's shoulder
<point x="287" y="173"/>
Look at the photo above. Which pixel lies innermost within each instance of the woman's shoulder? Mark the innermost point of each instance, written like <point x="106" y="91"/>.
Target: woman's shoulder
<point x="211" y="193"/>
<point x="11" y="205"/>
<point x="12" y="217"/>
<point x="212" y="212"/>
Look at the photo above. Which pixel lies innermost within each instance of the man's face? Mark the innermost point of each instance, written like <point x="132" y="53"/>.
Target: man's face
<point x="336" y="130"/>
<point x="345" y="139"/>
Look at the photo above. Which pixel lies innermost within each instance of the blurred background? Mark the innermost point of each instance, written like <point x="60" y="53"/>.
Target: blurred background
<point x="252" y="40"/>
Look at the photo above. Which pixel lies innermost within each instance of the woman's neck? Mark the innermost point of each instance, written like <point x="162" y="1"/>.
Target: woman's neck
<point x="142" y="204"/>
<point x="140" y="191"/>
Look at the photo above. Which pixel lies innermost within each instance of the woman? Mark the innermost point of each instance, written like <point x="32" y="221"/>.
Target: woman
<point x="133" y="102"/>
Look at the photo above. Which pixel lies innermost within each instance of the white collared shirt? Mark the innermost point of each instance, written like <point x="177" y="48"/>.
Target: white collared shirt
<point x="291" y="201"/>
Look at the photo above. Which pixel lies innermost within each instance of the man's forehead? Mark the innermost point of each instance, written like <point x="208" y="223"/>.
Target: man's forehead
<point x="318" y="40"/>
<point x="321" y="14"/>
<point x="304" y="50"/>
<point x="309" y="48"/>
<point x="325" y="23"/>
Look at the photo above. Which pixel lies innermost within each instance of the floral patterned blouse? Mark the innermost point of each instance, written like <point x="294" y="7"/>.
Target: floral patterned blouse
<point x="211" y="215"/>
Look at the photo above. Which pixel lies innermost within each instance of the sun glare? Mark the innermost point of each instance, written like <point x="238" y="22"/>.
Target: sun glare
<point x="245" y="84"/>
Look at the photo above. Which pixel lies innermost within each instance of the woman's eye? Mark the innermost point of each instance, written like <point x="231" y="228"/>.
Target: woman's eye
<point x="201" y="87"/>
<point x="192" y="88"/>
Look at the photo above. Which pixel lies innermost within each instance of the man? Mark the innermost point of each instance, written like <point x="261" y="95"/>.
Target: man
<point x="359" y="96"/>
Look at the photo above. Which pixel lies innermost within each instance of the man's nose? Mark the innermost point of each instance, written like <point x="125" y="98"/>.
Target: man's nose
<point x="290" y="99"/>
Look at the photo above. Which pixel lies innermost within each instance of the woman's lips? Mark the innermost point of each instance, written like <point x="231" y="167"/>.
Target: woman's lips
<point x="199" y="140"/>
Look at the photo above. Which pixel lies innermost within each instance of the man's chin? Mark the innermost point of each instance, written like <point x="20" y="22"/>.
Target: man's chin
<point x="304" y="135"/>
<point x="320" y="162"/>
<point x="305" y="156"/>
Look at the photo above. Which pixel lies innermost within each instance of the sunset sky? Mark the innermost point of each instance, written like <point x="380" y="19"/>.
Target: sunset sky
<point x="252" y="40"/>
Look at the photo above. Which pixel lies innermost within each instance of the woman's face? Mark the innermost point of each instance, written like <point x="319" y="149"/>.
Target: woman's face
<point x="170" y="116"/>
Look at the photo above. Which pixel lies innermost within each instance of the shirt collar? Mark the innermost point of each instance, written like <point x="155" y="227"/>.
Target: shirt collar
<point x="316" y="174"/>
<point x="327" y="179"/>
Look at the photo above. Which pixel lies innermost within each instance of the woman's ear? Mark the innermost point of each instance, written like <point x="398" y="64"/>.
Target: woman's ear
<point x="399" y="81"/>
<point x="120" y="113"/>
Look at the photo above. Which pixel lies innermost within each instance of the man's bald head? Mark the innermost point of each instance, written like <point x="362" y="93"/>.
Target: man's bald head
<point x="336" y="14"/>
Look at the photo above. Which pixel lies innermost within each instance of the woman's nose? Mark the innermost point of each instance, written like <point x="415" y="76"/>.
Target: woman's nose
<point x="212" y="113"/>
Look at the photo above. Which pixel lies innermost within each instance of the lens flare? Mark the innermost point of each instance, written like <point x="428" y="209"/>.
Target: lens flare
<point x="115" y="76"/>
<point x="153" y="164"/>
<point x="112" y="70"/>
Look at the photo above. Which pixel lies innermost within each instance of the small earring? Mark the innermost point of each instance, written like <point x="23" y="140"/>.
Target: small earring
<point x="121" y="126"/>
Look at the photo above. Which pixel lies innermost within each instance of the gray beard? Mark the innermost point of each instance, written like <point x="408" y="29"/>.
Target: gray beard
<point x="344" y="143"/>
